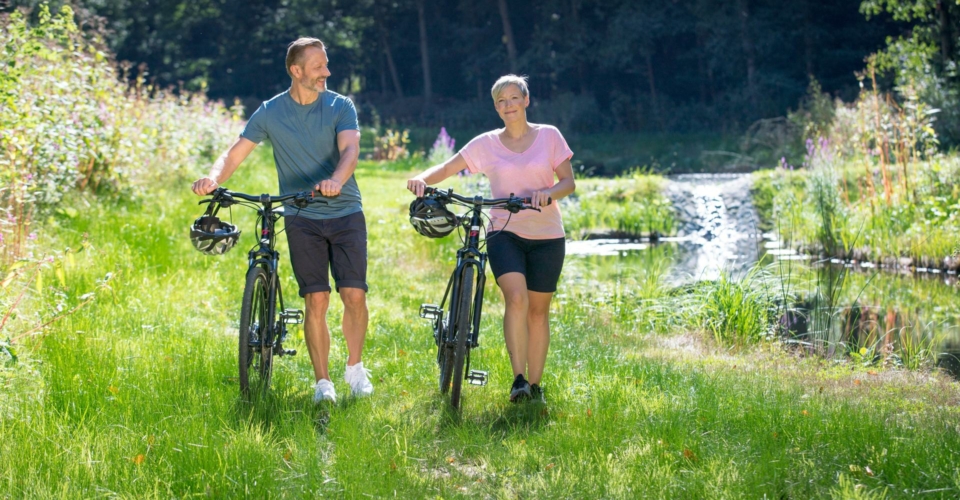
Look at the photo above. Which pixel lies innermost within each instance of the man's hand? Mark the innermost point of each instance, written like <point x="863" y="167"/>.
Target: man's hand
<point x="329" y="188"/>
<point x="416" y="186"/>
<point x="204" y="186"/>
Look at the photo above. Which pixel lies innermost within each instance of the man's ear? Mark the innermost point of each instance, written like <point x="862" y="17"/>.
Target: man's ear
<point x="296" y="70"/>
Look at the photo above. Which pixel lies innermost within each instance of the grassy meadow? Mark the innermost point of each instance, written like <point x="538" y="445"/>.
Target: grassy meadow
<point x="134" y="395"/>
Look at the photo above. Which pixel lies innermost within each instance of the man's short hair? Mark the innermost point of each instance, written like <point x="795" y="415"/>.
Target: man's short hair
<point x="504" y="81"/>
<point x="296" y="49"/>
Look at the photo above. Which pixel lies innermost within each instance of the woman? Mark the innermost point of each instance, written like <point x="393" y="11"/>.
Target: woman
<point x="526" y="257"/>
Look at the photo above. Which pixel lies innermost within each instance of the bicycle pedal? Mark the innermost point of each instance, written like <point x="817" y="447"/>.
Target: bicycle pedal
<point x="430" y="311"/>
<point x="292" y="316"/>
<point x="477" y="377"/>
<point x="288" y="352"/>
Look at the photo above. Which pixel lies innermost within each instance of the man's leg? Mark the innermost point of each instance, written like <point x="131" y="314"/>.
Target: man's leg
<point x="355" y="318"/>
<point x="316" y="334"/>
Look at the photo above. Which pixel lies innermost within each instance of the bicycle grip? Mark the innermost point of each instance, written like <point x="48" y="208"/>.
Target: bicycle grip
<point x="529" y="200"/>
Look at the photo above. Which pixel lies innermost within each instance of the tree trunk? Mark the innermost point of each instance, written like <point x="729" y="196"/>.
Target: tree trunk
<point x="652" y="83"/>
<point x="424" y="55"/>
<point x="946" y="43"/>
<point x="508" y="36"/>
<point x="575" y="16"/>
<point x="702" y="66"/>
<point x="390" y="65"/>
<point x="748" y="51"/>
<point x="808" y="39"/>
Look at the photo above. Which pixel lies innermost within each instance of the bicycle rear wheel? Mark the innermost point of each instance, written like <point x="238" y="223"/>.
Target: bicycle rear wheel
<point x="463" y="323"/>
<point x="255" y="336"/>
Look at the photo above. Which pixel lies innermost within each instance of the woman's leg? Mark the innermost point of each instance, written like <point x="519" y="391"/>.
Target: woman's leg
<point x="517" y="304"/>
<point x="538" y="334"/>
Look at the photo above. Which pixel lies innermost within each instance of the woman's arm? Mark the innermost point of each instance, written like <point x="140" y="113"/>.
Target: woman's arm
<point x="565" y="186"/>
<point x="436" y="174"/>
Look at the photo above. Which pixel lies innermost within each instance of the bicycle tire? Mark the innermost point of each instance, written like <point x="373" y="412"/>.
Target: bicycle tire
<point x="255" y="329"/>
<point x="463" y="324"/>
<point x="445" y="360"/>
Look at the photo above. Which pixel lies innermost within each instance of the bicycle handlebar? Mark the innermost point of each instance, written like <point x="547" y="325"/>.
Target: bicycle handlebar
<point x="511" y="202"/>
<point x="222" y="195"/>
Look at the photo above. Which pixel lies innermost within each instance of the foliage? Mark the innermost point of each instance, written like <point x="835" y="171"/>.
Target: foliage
<point x="70" y="124"/>
<point x="629" y="206"/>
<point x="391" y="146"/>
<point x="138" y="402"/>
<point x="443" y="148"/>
<point x="737" y="311"/>
<point x="644" y="65"/>
<point x="925" y="59"/>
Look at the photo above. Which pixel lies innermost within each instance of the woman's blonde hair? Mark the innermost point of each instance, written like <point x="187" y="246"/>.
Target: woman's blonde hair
<point x="504" y="81"/>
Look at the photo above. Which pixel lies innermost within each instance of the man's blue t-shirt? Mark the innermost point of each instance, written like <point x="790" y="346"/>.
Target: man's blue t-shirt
<point x="304" y="139"/>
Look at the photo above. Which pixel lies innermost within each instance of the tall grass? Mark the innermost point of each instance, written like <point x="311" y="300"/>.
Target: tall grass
<point x="136" y="395"/>
<point x="630" y="206"/>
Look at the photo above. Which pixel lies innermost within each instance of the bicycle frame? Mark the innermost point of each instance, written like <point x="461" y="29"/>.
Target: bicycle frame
<point x="266" y="255"/>
<point x="469" y="255"/>
<point x="263" y="317"/>
<point x="458" y="332"/>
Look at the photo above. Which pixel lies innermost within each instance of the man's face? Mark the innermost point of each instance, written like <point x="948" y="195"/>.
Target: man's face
<point x="312" y="73"/>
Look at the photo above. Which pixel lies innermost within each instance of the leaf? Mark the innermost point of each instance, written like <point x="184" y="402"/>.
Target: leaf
<point x="114" y="390"/>
<point x="39" y="282"/>
<point x="61" y="276"/>
<point x="139" y="459"/>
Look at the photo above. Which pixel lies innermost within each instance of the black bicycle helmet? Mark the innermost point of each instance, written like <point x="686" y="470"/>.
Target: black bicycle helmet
<point x="211" y="235"/>
<point x="431" y="218"/>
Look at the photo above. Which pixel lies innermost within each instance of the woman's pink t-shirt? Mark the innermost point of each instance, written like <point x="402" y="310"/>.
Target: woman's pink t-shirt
<point x="521" y="174"/>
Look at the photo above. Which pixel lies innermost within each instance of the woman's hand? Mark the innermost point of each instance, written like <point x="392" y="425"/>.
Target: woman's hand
<point x="416" y="186"/>
<point x="540" y="198"/>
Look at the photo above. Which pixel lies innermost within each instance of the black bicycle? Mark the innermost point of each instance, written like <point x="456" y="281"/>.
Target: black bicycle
<point x="457" y="332"/>
<point x="263" y="318"/>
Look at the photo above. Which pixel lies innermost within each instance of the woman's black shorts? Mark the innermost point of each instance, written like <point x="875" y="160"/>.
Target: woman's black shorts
<point x="540" y="261"/>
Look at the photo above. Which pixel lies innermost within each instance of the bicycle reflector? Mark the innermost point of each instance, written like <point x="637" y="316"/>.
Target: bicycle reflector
<point x="211" y="235"/>
<point x="431" y="218"/>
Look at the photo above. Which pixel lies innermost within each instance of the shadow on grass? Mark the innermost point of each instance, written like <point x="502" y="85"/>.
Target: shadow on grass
<point x="502" y="419"/>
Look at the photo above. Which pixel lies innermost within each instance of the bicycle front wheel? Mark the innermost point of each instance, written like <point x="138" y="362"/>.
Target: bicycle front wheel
<point x="255" y="339"/>
<point x="463" y="323"/>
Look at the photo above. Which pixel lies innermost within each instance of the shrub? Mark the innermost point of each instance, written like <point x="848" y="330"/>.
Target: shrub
<point x="70" y="124"/>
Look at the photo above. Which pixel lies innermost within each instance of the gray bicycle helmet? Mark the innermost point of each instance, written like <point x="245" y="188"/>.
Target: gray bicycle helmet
<point x="211" y="235"/>
<point x="431" y="218"/>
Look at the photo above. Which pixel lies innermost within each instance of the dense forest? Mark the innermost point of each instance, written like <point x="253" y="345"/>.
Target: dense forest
<point x="594" y="65"/>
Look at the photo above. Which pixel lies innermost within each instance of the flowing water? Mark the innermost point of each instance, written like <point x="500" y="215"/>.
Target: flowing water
<point x="719" y="234"/>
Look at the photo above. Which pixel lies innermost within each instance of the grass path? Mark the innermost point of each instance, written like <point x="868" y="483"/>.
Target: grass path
<point x="135" y="395"/>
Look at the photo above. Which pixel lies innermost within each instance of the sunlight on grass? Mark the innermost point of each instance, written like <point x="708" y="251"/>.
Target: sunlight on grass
<point x="136" y="394"/>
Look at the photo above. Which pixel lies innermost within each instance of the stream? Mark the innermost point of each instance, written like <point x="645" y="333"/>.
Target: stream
<point x="718" y="233"/>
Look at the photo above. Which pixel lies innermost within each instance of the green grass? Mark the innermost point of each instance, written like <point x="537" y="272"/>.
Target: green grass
<point x="629" y="206"/>
<point x="920" y="223"/>
<point x="135" y="395"/>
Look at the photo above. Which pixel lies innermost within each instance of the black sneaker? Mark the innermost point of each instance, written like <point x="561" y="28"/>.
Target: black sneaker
<point x="536" y="393"/>
<point x="520" y="390"/>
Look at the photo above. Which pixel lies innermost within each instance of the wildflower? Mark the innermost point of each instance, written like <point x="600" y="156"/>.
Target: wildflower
<point x="32" y="236"/>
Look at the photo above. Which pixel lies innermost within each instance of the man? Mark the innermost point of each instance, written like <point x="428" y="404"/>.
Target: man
<point x="316" y="143"/>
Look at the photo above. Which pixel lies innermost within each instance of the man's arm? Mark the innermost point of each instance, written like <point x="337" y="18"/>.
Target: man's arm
<point x="224" y="167"/>
<point x="349" y="143"/>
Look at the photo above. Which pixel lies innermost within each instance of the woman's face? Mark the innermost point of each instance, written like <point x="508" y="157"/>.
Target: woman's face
<point x="511" y="104"/>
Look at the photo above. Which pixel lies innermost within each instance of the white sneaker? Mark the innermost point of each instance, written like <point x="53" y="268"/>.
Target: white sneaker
<point x="324" y="391"/>
<point x="358" y="378"/>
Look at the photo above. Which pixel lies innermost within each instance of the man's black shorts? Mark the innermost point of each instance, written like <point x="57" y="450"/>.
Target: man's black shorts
<point x="540" y="261"/>
<point x="317" y="245"/>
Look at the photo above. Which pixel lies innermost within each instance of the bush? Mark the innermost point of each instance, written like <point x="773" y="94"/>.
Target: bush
<point x="70" y="124"/>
